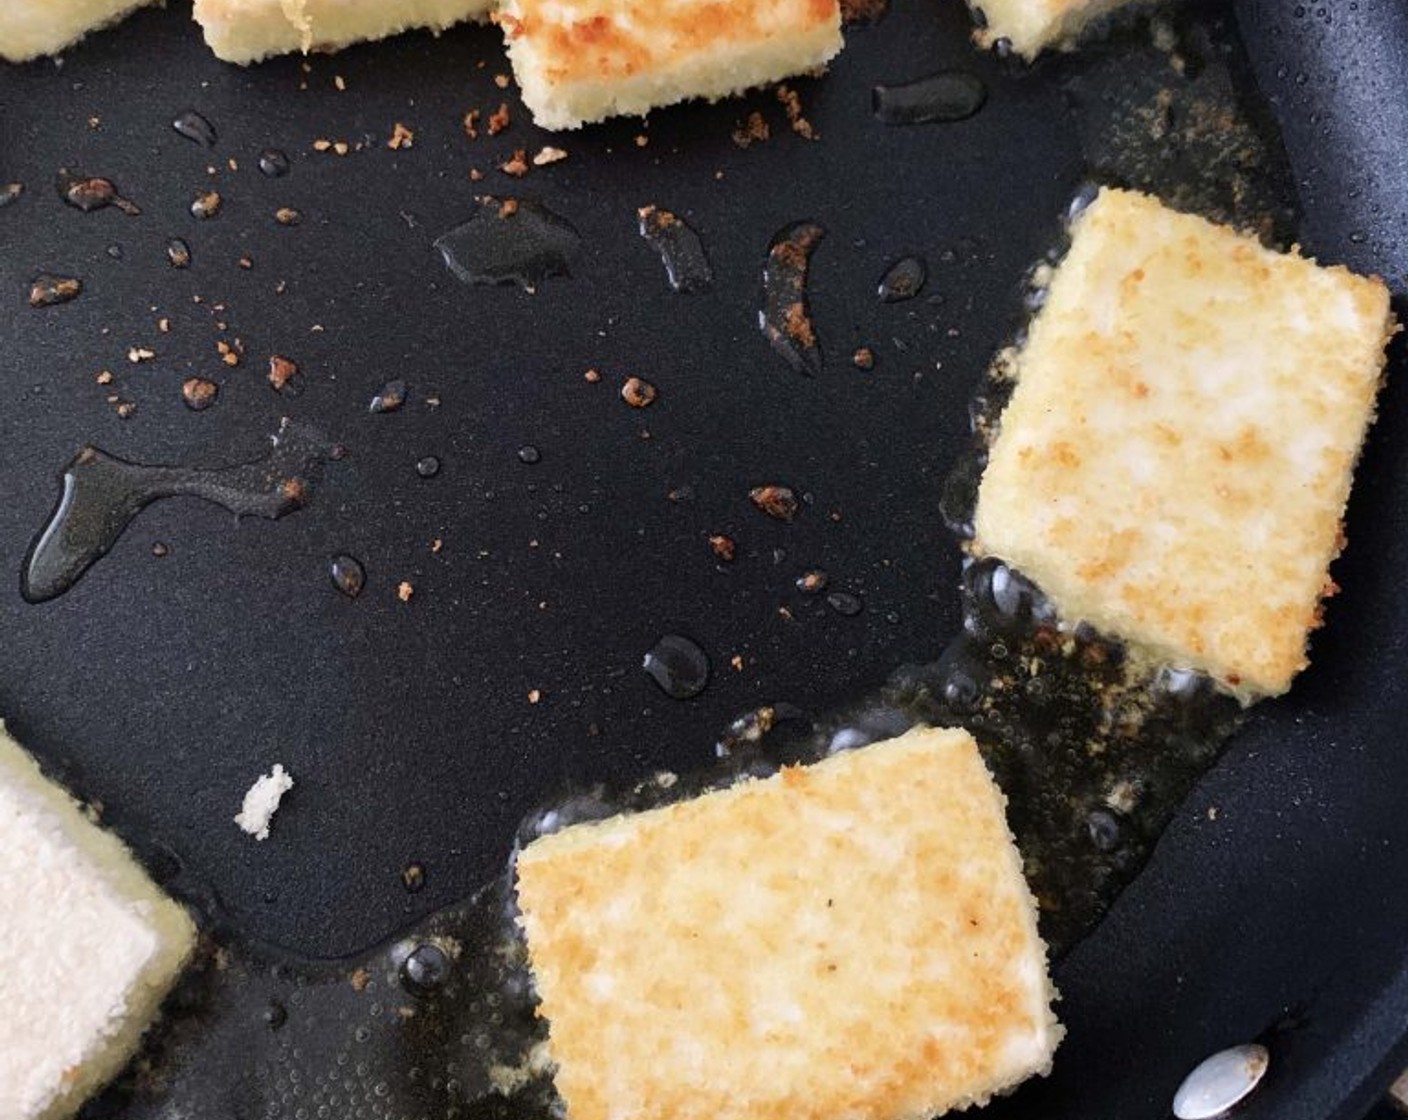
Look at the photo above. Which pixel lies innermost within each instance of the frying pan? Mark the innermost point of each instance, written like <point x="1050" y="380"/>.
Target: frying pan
<point x="421" y="731"/>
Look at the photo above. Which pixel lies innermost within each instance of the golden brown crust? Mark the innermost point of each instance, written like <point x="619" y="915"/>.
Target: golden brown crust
<point x="850" y="941"/>
<point x="1177" y="454"/>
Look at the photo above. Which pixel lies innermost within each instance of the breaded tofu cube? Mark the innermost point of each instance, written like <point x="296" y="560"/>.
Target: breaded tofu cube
<point x="34" y="28"/>
<point x="1031" y="26"/>
<point x="579" y="61"/>
<point x="89" y="947"/>
<point x="246" y="31"/>
<point x="1175" y="459"/>
<point x="848" y="941"/>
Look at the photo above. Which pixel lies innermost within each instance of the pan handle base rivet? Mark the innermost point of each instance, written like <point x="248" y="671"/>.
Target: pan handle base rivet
<point x="1221" y="1081"/>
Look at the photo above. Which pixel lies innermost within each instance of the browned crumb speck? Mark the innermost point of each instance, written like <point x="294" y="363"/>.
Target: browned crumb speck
<point x="516" y="166"/>
<point x="638" y="393"/>
<point x="775" y="501"/>
<point x="140" y="354"/>
<point x="125" y="409"/>
<point x="549" y="155"/>
<point x="287" y="216"/>
<point x="863" y="358"/>
<point x="500" y="119"/>
<point x="534" y="695"/>
<point x="104" y="377"/>
<point x="508" y="208"/>
<point x="281" y="371"/>
<point x="471" y="124"/>
<point x="401" y="137"/>
<point x="753" y="130"/>
<point x="404" y="591"/>
<point x="724" y="547"/>
<point x="207" y="204"/>
<point x="863" y="11"/>
<point x="591" y="376"/>
<point x="360" y="978"/>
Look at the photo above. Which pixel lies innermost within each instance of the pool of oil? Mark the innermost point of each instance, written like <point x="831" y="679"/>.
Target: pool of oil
<point x="1094" y="749"/>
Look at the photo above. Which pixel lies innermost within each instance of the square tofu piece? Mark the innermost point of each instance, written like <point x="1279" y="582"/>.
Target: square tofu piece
<point x="849" y="941"/>
<point x="33" y="28"/>
<point x="579" y="61"/>
<point x="89" y="947"/>
<point x="1031" y="26"/>
<point x="1175" y="459"/>
<point x="246" y="31"/>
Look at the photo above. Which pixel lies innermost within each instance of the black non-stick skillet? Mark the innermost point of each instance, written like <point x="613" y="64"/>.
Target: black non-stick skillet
<point x="565" y="532"/>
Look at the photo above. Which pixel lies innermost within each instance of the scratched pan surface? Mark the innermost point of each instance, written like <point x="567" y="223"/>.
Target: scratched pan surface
<point x="421" y="731"/>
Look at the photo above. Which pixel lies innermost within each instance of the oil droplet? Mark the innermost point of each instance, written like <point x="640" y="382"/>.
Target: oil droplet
<point x="426" y="968"/>
<point x="428" y="467"/>
<point x="89" y="193"/>
<point x="199" y="393"/>
<point x="273" y="163"/>
<point x="903" y="280"/>
<point x="178" y="253"/>
<point x="785" y="318"/>
<point x="206" y="205"/>
<point x="844" y="603"/>
<point x="510" y="242"/>
<point x="529" y="454"/>
<point x="103" y="494"/>
<point x="678" y="666"/>
<point x="391" y="397"/>
<point x="46" y="289"/>
<point x="681" y="251"/>
<point x="193" y="126"/>
<point x="949" y="95"/>
<point x="347" y="574"/>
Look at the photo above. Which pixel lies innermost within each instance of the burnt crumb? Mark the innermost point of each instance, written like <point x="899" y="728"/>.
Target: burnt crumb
<point x="638" y="393"/>
<point x="206" y="205"/>
<point x="724" y="547"/>
<point x="517" y="165"/>
<point x="413" y="876"/>
<point x="775" y="501"/>
<point x="869" y="11"/>
<point x="199" y="393"/>
<point x="500" y="119"/>
<point x="791" y="104"/>
<point x="753" y="130"/>
<point x="47" y="289"/>
<point x="281" y="371"/>
<point x="401" y="137"/>
<point x="798" y="325"/>
<point x="863" y="358"/>
<point x="287" y="216"/>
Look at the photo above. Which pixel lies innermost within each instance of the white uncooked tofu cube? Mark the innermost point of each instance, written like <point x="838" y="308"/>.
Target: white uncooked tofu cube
<point x="89" y="947"/>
